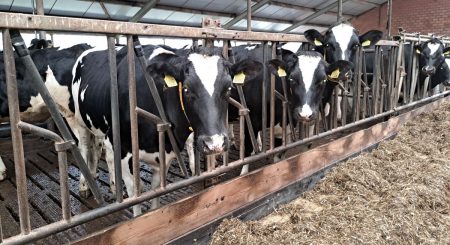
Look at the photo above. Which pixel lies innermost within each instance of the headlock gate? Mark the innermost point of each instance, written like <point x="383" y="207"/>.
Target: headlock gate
<point x="375" y="93"/>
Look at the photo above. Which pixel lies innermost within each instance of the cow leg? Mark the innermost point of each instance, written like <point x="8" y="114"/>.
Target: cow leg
<point x="231" y="138"/>
<point x="109" y="156"/>
<point x="2" y="170"/>
<point x="156" y="180"/>
<point x="190" y="151"/>
<point x="84" y="145"/>
<point x="128" y="180"/>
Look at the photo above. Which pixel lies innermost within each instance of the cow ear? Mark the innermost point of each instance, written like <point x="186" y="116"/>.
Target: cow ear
<point x="170" y="73"/>
<point x="277" y="67"/>
<point x="370" y="38"/>
<point x="418" y="48"/>
<point x="446" y="52"/>
<point x="339" y="71"/>
<point x="245" y="70"/>
<point x="314" y="37"/>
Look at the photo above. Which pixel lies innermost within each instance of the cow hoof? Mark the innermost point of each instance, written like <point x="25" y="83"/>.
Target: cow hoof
<point x="85" y="193"/>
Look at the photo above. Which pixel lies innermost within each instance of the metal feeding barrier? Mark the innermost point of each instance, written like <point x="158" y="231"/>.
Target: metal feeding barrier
<point x="371" y="96"/>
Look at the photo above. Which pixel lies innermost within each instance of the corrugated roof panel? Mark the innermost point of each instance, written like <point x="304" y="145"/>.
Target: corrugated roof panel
<point x="5" y="5"/>
<point x="355" y="8"/>
<point x="173" y="2"/>
<point x="220" y="5"/>
<point x="70" y="7"/>
<point x="96" y="11"/>
<point x="267" y="11"/>
<point x="236" y="7"/>
<point x="197" y="4"/>
<point x="22" y="6"/>
<point x="120" y="11"/>
<point x="156" y="16"/>
<point x="179" y="17"/>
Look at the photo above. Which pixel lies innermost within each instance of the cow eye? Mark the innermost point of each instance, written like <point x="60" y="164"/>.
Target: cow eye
<point x="227" y="92"/>
<point x="355" y="46"/>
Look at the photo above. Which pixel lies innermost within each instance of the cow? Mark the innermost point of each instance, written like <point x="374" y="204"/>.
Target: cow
<point x="194" y="89"/>
<point x="306" y="72"/>
<point x="340" y="42"/>
<point x="49" y="62"/>
<point x="432" y="62"/>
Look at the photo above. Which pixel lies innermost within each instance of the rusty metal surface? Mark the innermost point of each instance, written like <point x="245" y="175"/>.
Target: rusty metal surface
<point x="66" y="24"/>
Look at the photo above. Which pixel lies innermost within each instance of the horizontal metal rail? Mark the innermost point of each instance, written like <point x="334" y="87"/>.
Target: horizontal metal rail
<point x="103" y="211"/>
<point x="67" y="24"/>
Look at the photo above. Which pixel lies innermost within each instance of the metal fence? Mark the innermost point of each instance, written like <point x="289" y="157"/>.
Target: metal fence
<point x="369" y="97"/>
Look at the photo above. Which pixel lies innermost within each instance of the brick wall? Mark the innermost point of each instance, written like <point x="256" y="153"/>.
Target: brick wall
<point x="424" y="16"/>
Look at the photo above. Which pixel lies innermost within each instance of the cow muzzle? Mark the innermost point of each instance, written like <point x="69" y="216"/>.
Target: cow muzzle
<point x="214" y="144"/>
<point x="305" y="113"/>
<point x="428" y="70"/>
<point x="446" y="83"/>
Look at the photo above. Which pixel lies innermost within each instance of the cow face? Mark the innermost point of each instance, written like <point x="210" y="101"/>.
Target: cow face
<point x="431" y="56"/>
<point x="341" y="41"/>
<point x="307" y="74"/>
<point x="204" y="84"/>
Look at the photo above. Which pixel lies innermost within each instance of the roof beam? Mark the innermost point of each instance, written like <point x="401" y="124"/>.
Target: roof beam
<point x="149" y="5"/>
<point x="306" y="9"/>
<point x="244" y="14"/>
<point x="312" y="16"/>
<point x="105" y="10"/>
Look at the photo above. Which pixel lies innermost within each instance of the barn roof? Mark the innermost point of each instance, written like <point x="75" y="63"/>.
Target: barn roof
<point x="293" y="16"/>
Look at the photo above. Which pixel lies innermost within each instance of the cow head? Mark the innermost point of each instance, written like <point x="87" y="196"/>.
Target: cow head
<point x="431" y="56"/>
<point x="307" y="74"/>
<point x="341" y="41"/>
<point x="203" y="79"/>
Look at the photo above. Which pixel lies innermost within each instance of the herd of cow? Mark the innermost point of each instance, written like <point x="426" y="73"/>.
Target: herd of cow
<point x="194" y="85"/>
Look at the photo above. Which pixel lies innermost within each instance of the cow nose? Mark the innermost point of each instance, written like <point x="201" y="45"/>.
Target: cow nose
<point x="446" y="83"/>
<point x="305" y="113"/>
<point x="214" y="144"/>
<point x="428" y="70"/>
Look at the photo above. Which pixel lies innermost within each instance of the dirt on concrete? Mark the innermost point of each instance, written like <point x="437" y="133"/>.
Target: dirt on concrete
<point x="397" y="194"/>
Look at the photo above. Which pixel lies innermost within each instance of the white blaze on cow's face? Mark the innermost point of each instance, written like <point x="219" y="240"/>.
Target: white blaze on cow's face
<point x="430" y="56"/>
<point x="433" y="48"/>
<point x="206" y="68"/>
<point x="343" y="34"/>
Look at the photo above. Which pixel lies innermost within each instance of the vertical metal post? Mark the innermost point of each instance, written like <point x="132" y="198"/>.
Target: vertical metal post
<point x="249" y="15"/>
<point x="241" y="136"/>
<point x="272" y="104"/>
<point x="40" y="11"/>
<point x="115" y="118"/>
<point x="336" y="106"/>
<point x="162" y="155"/>
<point x="133" y="115"/>
<point x="16" y="134"/>
<point x="284" y="123"/>
<point x="64" y="182"/>
<point x="389" y="21"/>
<point x="339" y="12"/>
<point x="357" y="85"/>
<point x="264" y="98"/>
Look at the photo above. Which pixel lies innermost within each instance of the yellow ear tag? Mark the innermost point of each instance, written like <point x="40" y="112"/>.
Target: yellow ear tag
<point x="447" y="53"/>
<point x="417" y="51"/>
<point x="170" y="81"/>
<point x="366" y="43"/>
<point x="317" y="42"/>
<point x="334" y="74"/>
<point x="281" y="72"/>
<point x="239" y="78"/>
<point x="191" y="129"/>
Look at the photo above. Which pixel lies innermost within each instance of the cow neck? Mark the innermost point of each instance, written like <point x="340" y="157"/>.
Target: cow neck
<point x="180" y="91"/>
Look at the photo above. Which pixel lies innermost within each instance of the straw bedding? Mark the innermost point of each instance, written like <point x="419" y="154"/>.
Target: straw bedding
<point x="397" y="194"/>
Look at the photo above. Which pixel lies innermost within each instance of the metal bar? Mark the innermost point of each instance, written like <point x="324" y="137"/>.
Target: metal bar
<point x="162" y="155"/>
<point x="149" y="116"/>
<point x="67" y="24"/>
<point x="144" y="10"/>
<point x="264" y="99"/>
<point x="312" y="16"/>
<point x="64" y="182"/>
<point x="272" y="105"/>
<point x="16" y="134"/>
<point x="23" y="53"/>
<point x="284" y="123"/>
<point x="38" y="131"/>
<point x="115" y="118"/>
<point x="241" y="136"/>
<point x="105" y="210"/>
<point x="339" y="12"/>
<point x="157" y="99"/>
<point x="337" y="106"/>
<point x="40" y="11"/>
<point x="133" y="116"/>
<point x="249" y="15"/>
<point x="389" y="21"/>
<point x="241" y="16"/>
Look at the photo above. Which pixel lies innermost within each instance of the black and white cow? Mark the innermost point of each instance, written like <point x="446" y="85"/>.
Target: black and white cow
<point x="49" y="62"/>
<point x="306" y="73"/>
<point x="340" y="42"/>
<point x="432" y="62"/>
<point x="194" y="89"/>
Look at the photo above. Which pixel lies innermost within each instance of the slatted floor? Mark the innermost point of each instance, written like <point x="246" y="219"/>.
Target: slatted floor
<point x="44" y="195"/>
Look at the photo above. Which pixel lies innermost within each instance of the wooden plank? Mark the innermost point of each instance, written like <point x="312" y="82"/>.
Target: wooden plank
<point x="183" y="216"/>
